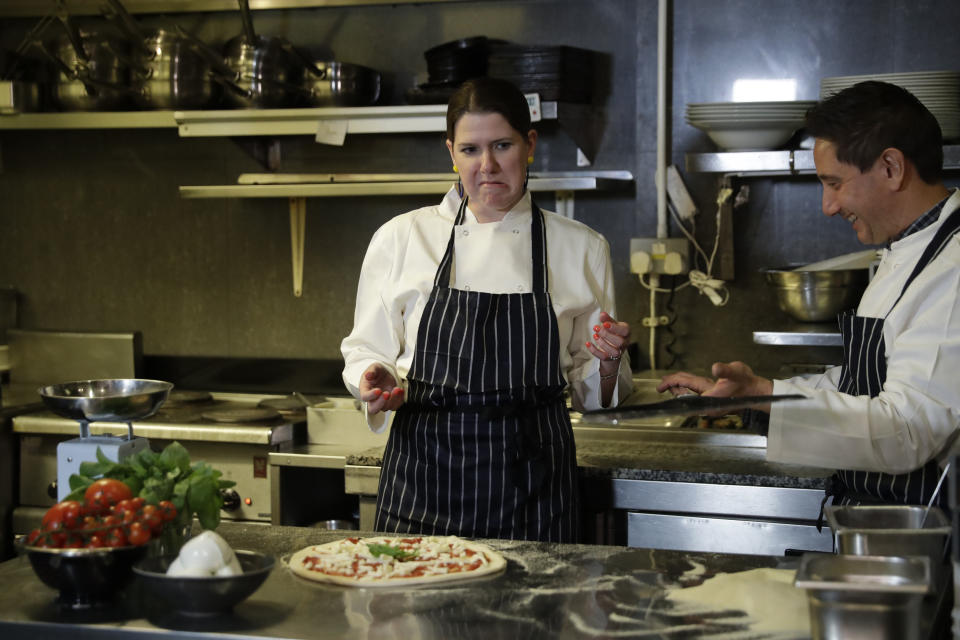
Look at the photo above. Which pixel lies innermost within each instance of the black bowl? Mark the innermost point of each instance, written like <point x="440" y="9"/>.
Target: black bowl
<point x="204" y="596"/>
<point x="85" y="578"/>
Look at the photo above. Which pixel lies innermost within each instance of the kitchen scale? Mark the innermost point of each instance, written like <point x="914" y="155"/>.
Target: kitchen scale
<point x="112" y="400"/>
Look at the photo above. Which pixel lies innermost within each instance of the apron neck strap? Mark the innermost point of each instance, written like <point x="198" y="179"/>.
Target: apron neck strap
<point x="949" y="228"/>
<point x="538" y="245"/>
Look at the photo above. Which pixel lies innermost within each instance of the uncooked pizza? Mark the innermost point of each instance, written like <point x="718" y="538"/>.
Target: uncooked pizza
<point x="385" y="561"/>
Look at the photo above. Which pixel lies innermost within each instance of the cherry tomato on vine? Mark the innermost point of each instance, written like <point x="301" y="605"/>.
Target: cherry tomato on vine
<point x="104" y="493"/>
<point x="138" y="534"/>
<point x="63" y="515"/>
<point x="115" y="538"/>
<point x="167" y="511"/>
<point x="95" y="542"/>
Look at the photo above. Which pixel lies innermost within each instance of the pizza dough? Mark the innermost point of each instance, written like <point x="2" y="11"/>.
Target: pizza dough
<point x="388" y="561"/>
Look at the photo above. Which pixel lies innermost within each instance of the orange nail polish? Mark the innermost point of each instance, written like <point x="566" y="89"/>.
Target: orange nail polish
<point x="607" y="325"/>
<point x="596" y="336"/>
<point x="596" y="327"/>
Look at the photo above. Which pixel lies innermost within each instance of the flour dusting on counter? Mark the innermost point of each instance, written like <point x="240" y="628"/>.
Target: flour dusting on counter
<point x="767" y="596"/>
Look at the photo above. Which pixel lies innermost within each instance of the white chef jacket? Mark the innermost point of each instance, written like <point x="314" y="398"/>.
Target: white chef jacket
<point x="917" y="414"/>
<point x="401" y="262"/>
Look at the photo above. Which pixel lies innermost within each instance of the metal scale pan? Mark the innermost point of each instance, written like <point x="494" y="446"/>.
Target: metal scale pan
<point x="110" y="400"/>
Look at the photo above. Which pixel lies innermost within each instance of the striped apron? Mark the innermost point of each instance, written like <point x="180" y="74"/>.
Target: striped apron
<point x="483" y="445"/>
<point x="864" y="372"/>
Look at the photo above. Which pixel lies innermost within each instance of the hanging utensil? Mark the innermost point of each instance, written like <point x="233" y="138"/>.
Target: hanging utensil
<point x="682" y="406"/>
<point x="247" y="20"/>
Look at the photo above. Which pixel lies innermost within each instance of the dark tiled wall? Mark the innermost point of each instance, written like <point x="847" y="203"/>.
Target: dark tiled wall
<point x="95" y="236"/>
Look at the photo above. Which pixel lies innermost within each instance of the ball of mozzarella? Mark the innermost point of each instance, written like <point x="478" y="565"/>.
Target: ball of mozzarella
<point x="205" y="555"/>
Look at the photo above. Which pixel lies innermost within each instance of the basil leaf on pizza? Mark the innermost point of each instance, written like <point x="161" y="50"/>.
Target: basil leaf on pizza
<point x="387" y="550"/>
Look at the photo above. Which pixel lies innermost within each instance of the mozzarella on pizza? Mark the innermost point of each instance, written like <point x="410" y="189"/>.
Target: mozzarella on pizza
<point x="395" y="561"/>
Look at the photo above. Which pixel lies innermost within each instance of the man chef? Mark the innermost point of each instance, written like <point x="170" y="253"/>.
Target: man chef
<point x="888" y="414"/>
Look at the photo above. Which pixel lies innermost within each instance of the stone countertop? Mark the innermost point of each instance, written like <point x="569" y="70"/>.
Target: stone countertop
<point x="547" y="591"/>
<point x="656" y="459"/>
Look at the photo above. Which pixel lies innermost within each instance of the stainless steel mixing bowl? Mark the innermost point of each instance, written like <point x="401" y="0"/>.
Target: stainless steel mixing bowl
<point x="816" y="296"/>
<point x="108" y="400"/>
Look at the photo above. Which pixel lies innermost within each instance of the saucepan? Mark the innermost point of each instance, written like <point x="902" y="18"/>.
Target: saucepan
<point x="691" y="405"/>
<point x="341" y="84"/>
<point x="93" y="72"/>
<point x="168" y="71"/>
<point x="267" y="71"/>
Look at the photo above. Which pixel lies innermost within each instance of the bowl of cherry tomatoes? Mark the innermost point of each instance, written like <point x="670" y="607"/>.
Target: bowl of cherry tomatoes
<point x="86" y="550"/>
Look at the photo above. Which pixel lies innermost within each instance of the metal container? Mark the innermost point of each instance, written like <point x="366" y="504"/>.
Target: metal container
<point x="116" y="400"/>
<point x="864" y="597"/>
<point x="19" y="97"/>
<point x="892" y="531"/>
<point x="816" y="296"/>
<point x="341" y="84"/>
<point x="94" y="73"/>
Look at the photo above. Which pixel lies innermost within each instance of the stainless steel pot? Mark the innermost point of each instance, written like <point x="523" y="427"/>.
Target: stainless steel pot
<point x="167" y="70"/>
<point x="268" y="74"/>
<point x="93" y="75"/>
<point x="341" y="84"/>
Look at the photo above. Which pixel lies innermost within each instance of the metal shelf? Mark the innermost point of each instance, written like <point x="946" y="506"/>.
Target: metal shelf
<point x="245" y="122"/>
<point x="328" y="124"/>
<point x="90" y="120"/>
<point x="338" y="185"/>
<point x="813" y="335"/>
<point x="28" y="8"/>
<point x="789" y="162"/>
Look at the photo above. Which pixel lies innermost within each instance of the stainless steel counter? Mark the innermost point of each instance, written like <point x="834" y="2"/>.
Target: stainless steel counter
<point x="547" y="591"/>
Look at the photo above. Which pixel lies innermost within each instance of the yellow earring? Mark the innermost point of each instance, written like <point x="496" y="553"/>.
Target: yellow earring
<point x="455" y="170"/>
<point x="529" y="159"/>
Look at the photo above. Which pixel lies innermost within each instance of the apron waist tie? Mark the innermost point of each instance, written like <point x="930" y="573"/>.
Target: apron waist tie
<point x="488" y="412"/>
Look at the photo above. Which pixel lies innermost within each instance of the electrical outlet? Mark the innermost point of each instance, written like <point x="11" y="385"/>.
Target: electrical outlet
<point x="666" y="256"/>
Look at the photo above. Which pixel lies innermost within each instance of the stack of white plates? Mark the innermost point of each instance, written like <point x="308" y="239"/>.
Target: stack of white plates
<point x="939" y="91"/>
<point x="748" y="126"/>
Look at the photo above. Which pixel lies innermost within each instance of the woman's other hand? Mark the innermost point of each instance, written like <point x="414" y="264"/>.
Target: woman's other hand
<point x="380" y="390"/>
<point x="610" y="340"/>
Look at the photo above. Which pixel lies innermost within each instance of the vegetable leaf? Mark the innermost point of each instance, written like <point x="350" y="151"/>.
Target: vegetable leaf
<point x="193" y="490"/>
<point x="387" y="550"/>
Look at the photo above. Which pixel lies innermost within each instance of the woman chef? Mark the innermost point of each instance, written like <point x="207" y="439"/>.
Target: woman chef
<point x="473" y="316"/>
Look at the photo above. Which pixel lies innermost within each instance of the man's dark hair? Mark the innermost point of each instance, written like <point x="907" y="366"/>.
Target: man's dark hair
<point x="863" y="120"/>
<point x="489" y="95"/>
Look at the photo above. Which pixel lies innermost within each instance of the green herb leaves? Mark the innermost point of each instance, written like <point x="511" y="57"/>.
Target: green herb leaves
<point x="168" y="475"/>
<point x="387" y="550"/>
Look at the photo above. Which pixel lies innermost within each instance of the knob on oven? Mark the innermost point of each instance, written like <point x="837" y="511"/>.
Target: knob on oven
<point x="231" y="500"/>
<point x="52" y="490"/>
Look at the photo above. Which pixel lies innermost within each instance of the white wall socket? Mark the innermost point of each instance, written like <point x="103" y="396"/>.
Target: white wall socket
<point x="666" y="256"/>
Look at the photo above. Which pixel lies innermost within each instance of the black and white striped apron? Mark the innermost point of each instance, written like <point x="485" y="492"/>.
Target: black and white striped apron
<point x="482" y="446"/>
<point x="864" y="373"/>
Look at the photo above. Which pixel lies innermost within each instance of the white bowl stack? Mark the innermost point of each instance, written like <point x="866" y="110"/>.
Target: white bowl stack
<point x="939" y="91"/>
<point x="748" y="126"/>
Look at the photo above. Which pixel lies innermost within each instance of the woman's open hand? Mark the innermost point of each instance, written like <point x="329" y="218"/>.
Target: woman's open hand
<point x="379" y="389"/>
